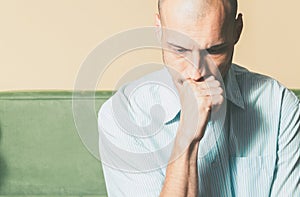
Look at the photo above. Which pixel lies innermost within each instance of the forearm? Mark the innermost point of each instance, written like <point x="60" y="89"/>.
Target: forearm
<point x="182" y="174"/>
<point x="196" y="104"/>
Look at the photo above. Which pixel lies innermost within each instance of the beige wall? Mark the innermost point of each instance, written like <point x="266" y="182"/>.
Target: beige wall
<point x="43" y="42"/>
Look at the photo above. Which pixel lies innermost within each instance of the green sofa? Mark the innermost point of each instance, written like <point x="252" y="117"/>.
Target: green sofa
<point x="41" y="153"/>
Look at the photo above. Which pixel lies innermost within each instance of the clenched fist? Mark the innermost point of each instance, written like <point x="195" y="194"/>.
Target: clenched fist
<point x="197" y="99"/>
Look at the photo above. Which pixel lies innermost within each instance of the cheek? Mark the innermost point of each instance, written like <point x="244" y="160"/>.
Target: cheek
<point x="223" y="59"/>
<point x="175" y="62"/>
<point x="223" y="62"/>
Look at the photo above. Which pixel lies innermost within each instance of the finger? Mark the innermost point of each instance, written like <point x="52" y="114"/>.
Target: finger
<point x="207" y="103"/>
<point x="209" y="92"/>
<point x="216" y="91"/>
<point x="217" y="100"/>
<point x="203" y="93"/>
<point x="188" y="82"/>
<point x="213" y="84"/>
<point x="208" y="84"/>
<point x="210" y="78"/>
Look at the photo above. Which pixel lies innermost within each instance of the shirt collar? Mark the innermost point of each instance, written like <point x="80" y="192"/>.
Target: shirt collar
<point x="172" y="106"/>
<point x="233" y="92"/>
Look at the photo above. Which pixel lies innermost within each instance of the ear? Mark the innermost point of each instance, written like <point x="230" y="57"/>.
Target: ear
<point x="158" y="27"/>
<point x="238" y="28"/>
<point x="157" y="20"/>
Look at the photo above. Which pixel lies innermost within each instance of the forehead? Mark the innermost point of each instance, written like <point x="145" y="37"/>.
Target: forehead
<point x="201" y="21"/>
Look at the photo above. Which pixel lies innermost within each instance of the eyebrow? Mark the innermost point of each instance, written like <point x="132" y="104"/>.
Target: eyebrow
<point x="217" y="46"/>
<point x="177" y="46"/>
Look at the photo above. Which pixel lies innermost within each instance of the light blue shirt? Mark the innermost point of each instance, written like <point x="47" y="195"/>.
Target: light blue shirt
<point x="255" y="152"/>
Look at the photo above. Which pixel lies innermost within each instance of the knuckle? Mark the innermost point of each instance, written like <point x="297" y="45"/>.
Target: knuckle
<point x="220" y="90"/>
<point x="213" y="77"/>
<point x="222" y="99"/>
<point x="217" y="83"/>
<point x="204" y="85"/>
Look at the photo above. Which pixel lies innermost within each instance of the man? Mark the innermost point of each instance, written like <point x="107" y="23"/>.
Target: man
<point x="256" y="150"/>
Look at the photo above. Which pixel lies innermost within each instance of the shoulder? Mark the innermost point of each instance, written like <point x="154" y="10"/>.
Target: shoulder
<point x="261" y="86"/>
<point x="136" y="112"/>
<point x="137" y="98"/>
<point x="125" y="92"/>
<point x="244" y="76"/>
<point x="134" y="103"/>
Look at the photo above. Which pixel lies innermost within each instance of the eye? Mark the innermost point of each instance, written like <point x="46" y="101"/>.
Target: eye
<point x="181" y="50"/>
<point x="212" y="51"/>
<point x="216" y="50"/>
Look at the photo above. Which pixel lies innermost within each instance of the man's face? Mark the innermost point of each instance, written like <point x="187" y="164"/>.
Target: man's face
<point x="208" y="42"/>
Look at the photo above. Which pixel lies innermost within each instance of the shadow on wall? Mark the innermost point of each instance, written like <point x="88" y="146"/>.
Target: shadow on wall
<point x="3" y="166"/>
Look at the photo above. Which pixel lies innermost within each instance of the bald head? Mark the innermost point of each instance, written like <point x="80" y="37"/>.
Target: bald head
<point x="201" y="32"/>
<point x="204" y="5"/>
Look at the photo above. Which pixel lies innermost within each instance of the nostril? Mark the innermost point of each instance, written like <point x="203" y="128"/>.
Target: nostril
<point x="195" y="75"/>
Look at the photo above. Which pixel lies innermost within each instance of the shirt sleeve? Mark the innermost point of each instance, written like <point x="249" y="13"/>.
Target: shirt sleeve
<point x="286" y="180"/>
<point x="114" y="157"/>
<point x="119" y="183"/>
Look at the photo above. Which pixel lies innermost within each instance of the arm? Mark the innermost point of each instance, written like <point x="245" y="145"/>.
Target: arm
<point x="286" y="181"/>
<point x="181" y="176"/>
<point x="119" y="179"/>
<point x="197" y="99"/>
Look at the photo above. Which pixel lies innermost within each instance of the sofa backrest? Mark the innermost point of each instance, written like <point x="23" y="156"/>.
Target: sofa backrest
<point x="40" y="150"/>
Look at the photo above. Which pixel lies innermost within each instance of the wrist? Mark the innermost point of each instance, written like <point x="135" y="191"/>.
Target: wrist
<point x="185" y="150"/>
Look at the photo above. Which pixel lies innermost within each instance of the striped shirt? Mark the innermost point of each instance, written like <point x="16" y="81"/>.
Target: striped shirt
<point x="253" y="151"/>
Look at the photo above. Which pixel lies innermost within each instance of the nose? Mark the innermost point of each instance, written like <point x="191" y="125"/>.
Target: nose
<point x="198" y="67"/>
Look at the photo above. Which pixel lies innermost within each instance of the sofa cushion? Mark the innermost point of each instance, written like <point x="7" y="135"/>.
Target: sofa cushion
<point x="40" y="150"/>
